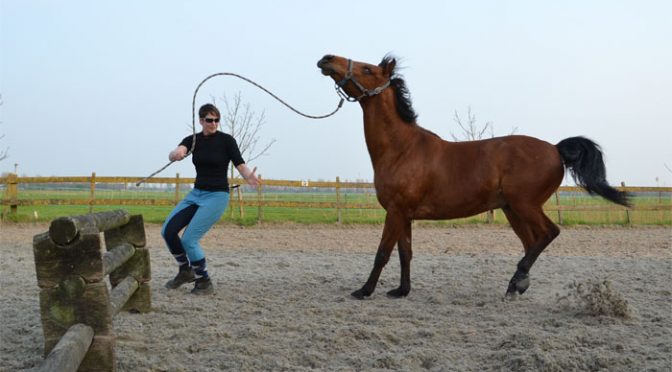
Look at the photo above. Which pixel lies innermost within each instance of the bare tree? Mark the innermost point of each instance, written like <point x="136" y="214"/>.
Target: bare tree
<point x="4" y="154"/>
<point x="244" y="125"/>
<point x="471" y="131"/>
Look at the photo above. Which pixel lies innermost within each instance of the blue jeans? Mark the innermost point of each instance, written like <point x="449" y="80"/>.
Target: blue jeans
<point x="198" y="211"/>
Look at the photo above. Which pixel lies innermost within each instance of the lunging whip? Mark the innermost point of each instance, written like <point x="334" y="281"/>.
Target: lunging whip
<point x="193" y="115"/>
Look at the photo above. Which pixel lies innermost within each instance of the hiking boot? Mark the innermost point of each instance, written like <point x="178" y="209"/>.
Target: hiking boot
<point x="203" y="287"/>
<point x="185" y="275"/>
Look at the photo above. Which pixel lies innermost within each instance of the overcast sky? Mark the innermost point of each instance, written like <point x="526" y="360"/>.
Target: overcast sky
<point x="107" y="86"/>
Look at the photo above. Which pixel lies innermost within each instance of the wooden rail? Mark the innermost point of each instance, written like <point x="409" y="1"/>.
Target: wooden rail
<point x="76" y="306"/>
<point x="12" y="198"/>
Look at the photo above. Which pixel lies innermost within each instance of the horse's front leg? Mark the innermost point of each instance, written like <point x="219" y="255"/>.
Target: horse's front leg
<point x="405" y="256"/>
<point x="391" y="233"/>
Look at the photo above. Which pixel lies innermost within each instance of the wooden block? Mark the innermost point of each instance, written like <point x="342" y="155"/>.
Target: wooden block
<point x="101" y="356"/>
<point x="141" y="301"/>
<point x="66" y="305"/>
<point x="53" y="263"/>
<point x="133" y="232"/>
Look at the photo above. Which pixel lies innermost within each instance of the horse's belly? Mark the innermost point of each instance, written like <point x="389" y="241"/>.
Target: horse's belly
<point x="440" y="203"/>
<point x="442" y="209"/>
<point x="447" y="214"/>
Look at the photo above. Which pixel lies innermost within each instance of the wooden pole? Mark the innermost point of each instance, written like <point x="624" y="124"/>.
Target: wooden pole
<point x="116" y="257"/>
<point x="627" y="210"/>
<point x="64" y="230"/>
<point x="260" y="201"/>
<point x="345" y="202"/>
<point x="557" y="203"/>
<point x="122" y="293"/>
<point x="240" y="202"/>
<point x="13" y="193"/>
<point x="69" y="352"/>
<point x="229" y="206"/>
<point x="92" y="198"/>
<point x="338" y="199"/>
<point x="177" y="188"/>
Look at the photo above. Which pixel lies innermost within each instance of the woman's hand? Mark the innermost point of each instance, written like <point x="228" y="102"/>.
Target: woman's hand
<point x="249" y="175"/>
<point x="178" y="154"/>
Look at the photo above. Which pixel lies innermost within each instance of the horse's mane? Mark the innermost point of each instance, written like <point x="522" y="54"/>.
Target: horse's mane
<point x="402" y="95"/>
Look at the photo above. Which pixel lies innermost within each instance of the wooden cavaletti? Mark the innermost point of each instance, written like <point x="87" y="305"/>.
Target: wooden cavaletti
<point x="76" y="307"/>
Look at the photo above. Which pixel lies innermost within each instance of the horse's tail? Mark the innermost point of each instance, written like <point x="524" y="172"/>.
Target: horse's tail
<point x="583" y="158"/>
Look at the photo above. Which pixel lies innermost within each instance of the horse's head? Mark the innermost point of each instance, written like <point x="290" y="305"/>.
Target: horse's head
<point x="356" y="80"/>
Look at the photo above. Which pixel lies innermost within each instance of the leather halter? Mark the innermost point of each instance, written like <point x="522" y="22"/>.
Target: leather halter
<point x="365" y="92"/>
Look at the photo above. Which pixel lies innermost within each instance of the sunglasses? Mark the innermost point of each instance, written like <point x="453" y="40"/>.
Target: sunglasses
<point x="211" y="120"/>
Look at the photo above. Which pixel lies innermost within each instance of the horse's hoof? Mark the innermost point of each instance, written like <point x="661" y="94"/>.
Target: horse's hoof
<point x="510" y="296"/>
<point x="359" y="294"/>
<point x="519" y="283"/>
<point x="522" y="285"/>
<point x="397" y="293"/>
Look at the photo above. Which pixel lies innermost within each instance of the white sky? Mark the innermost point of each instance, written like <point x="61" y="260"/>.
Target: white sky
<point x="107" y="86"/>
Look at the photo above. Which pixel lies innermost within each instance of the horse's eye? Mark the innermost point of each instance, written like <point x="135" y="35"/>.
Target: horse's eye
<point x="367" y="71"/>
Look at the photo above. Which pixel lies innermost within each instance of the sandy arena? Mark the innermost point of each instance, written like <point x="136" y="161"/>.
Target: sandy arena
<point x="600" y="300"/>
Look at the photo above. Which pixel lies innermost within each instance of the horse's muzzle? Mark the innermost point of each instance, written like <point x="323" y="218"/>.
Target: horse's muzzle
<point x="323" y="64"/>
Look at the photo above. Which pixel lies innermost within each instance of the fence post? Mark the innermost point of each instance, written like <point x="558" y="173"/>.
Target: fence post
<point x="177" y="188"/>
<point x="13" y="193"/>
<point x="627" y="210"/>
<point x="338" y="199"/>
<point x="92" y="198"/>
<point x="557" y="203"/>
<point x="240" y="201"/>
<point x="260" y="201"/>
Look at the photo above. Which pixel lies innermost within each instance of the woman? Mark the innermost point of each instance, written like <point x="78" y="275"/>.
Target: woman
<point x="206" y="203"/>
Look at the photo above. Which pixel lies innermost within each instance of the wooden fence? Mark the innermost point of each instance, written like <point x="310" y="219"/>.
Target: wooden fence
<point x="76" y="306"/>
<point x="12" y="196"/>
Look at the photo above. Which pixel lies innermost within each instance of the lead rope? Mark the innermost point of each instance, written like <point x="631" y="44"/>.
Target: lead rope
<point x="193" y="115"/>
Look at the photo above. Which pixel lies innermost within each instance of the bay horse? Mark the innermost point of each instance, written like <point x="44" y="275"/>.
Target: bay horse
<point x="419" y="176"/>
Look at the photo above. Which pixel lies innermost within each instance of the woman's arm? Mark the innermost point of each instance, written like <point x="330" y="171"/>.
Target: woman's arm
<point x="248" y="175"/>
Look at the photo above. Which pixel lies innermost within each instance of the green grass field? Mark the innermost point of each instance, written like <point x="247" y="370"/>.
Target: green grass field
<point x="156" y="214"/>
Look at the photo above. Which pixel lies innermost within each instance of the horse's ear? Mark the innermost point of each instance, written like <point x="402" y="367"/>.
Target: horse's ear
<point x="388" y="65"/>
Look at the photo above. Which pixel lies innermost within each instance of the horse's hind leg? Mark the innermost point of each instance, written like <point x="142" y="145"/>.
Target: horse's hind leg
<point x="536" y="231"/>
<point x="391" y="233"/>
<point x="405" y="256"/>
